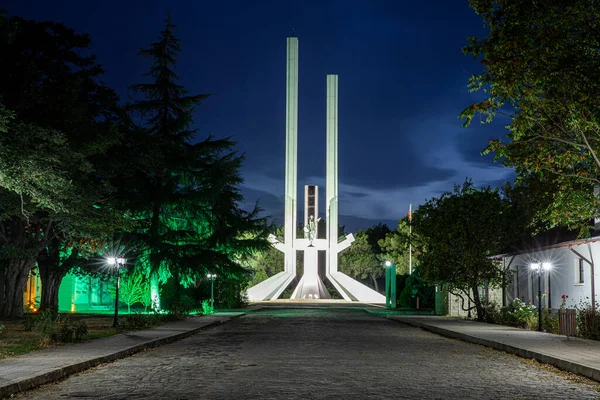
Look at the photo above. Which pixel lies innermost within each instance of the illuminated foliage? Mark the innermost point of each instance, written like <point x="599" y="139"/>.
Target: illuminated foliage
<point x="541" y="70"/>
<point x="182" y="191"/>
<point x="62" y="121"/>
<point x="456" y="235"/>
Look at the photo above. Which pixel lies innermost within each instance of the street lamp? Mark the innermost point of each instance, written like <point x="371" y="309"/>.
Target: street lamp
<point x="118" y="262"/>
<point x="390" y="284"/>
<point x="539" y="269"/>
<point x="212" y="278"/>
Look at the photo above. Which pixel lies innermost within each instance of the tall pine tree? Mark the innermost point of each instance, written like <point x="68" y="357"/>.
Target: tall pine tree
<point x="185" y="192"/>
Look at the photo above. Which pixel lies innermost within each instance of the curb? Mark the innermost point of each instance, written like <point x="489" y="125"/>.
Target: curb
<point x="64" y="372"/>
<point x="589" y="372"/>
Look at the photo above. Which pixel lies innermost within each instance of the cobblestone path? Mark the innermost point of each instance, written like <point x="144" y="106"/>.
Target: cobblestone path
<point x="317" y="354"/>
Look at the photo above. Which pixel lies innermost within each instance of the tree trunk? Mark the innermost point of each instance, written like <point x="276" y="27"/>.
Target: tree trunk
<point x="477" y="300"/>
<point x="3" y="269"/>
<point x="154" y="293"/>
<point x="375" y="283"/>
<point x="15" y="284"/>
<point x="51" y="275"/>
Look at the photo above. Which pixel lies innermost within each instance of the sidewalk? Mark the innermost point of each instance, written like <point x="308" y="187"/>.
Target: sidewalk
<point x="40" y="367"/>
<point x="575" y="355"/>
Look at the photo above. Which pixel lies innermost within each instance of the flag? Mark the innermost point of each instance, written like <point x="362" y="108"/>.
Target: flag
<point x="410" y="212"/>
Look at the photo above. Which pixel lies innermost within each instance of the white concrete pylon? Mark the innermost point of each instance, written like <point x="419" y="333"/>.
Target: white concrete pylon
<point x="272" y="287"/>
<point x="311" y="283"/>
<point x="291" y="156"/>
<point x="331" y="188"/>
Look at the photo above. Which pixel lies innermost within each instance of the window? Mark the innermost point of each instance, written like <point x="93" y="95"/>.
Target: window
<point x="579" y="270"/>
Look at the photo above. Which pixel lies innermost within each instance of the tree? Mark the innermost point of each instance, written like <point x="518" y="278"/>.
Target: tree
<point x="542" y="71"/>
<point x="458" y="233"/>
<point x="184" y="193"/>
<point x="134" y="288"/>
<point x="360" y="260"/>
<point x="395" y="247"/>
<point x="61" y="120"/>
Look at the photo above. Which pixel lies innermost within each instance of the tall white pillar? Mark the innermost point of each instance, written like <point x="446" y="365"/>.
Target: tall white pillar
<point x="291" y="154"/>
<point x="331" y="188"/>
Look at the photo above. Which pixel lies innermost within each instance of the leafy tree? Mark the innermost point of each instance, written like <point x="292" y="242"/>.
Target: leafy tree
<point x="375" y="234"/>
<point x="360" y="260"/>
<point x="61" y="121"/>
<point x="458" y="232"/>
<point x="541" y="69"/>
<point x="183" y="193"/>
<point x="395" y="247"/>
<point x="134" y="288"/>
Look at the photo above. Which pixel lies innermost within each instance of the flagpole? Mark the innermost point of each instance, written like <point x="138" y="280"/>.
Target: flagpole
<point x="410" y="239"/>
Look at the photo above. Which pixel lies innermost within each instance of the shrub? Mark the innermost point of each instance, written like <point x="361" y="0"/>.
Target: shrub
<point x="207" y="308"/>
<point x="61" y="329"/>
<point x="549" y="321"/>
<point x="588" y="321"/>
<point x="136" y="321"/>
<point x="525" y="313"/>
<point x="1" y="329"/>
<point x="502" y="315"/>
<point x="179" y="310"/>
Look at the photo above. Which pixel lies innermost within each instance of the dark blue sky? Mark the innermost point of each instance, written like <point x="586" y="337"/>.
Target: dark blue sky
<point x="402" y="83"/>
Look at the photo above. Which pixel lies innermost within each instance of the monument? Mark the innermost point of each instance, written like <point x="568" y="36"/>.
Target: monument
<point x="311" y="285"/>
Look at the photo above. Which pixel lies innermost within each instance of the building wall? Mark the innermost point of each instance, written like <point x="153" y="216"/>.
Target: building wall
<point x="561" y="280"/>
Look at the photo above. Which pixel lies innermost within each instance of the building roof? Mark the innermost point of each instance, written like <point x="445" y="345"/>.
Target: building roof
<point x="558" y="237"/>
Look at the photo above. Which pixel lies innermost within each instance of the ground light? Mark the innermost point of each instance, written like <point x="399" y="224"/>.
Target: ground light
<point x="212" y="278"/>
<point x="117" y="262"/>
<point x="539" y="269"/>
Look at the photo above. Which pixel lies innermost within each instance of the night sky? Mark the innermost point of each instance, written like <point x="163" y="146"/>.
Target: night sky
<point x="402" y="84"/>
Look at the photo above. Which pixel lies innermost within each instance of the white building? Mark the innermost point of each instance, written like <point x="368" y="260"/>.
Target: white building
<point x="572" y="272"/>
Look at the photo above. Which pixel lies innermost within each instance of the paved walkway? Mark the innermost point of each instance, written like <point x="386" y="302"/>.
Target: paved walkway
<point x="573" y="355"/>
<point x="317" y="353"/>
<point x="39" y="367"/>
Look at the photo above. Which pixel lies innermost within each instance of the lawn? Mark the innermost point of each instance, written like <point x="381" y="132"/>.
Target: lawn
<point x="16" y="340"/>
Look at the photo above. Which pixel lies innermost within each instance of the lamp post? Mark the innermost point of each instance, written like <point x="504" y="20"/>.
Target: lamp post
<point x="212" y="278"/>
<point x="539" y="269"/>
<point x="117" y="262"/>
<point x="390" y="284"/>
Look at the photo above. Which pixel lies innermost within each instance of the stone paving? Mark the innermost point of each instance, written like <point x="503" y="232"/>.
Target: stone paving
<point x="317" y="354"/>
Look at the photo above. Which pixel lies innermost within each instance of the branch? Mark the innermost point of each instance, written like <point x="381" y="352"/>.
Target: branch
<point x="590" y="147"/>
<point x="572" y="175"/>
<point x="463" y="300"/>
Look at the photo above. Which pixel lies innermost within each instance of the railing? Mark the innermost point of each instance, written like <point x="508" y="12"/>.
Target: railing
<point x="567" y="322"/>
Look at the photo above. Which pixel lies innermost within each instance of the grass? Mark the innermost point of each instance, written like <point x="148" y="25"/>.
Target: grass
<point x="15" y="340"/>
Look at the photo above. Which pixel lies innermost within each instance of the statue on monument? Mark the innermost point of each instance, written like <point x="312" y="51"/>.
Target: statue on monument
<point x="311" y="230"/>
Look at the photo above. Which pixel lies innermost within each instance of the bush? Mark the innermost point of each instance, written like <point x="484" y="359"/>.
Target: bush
<point x="61" y="329"/>
<point x="1" y="329"/>
<point x="588" y="321"/>
<point x="136" y="321"/>
<point x="207" y="308"/>
<point x="525" y="313"/>
<point x="549" y="321"/>
<point x="502" y="315"/>
<point x="179" y="310"/>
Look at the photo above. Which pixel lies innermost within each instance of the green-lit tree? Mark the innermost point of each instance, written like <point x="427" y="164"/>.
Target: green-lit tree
<point x="541" y="69"/>
<point x="184" y="192"/>
<point x="458" y="233"/>
<point x="62" y="123"/>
